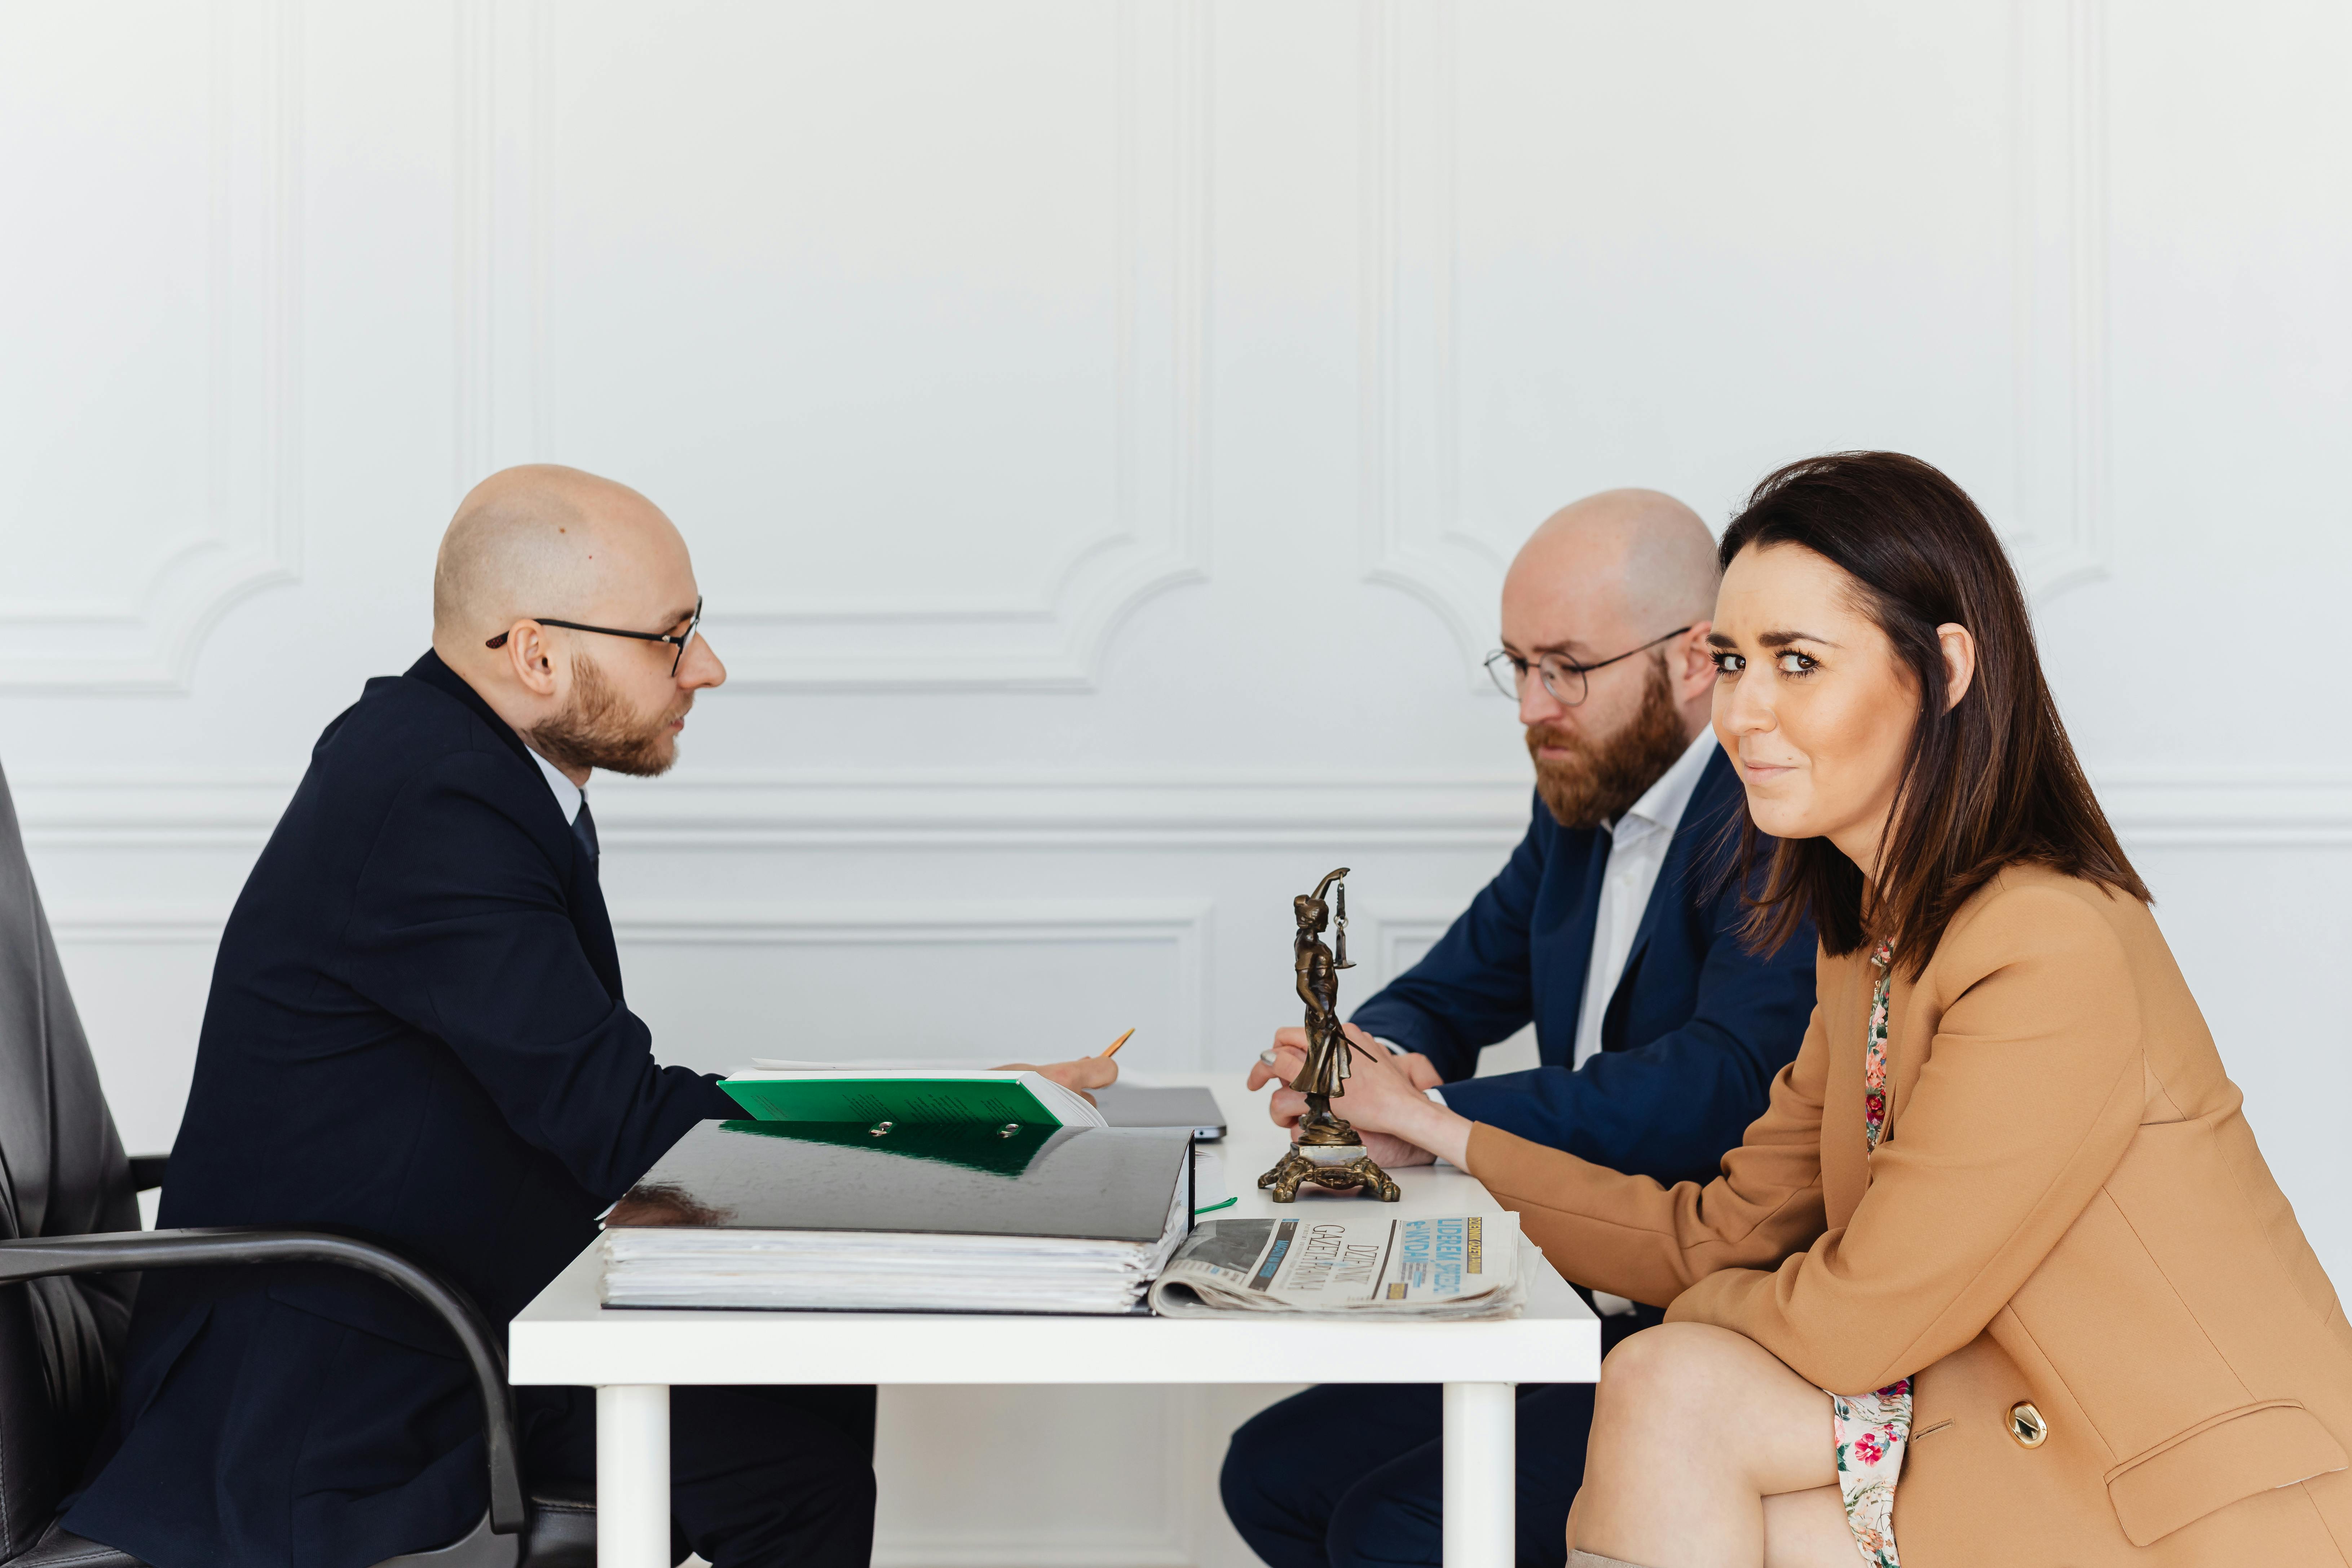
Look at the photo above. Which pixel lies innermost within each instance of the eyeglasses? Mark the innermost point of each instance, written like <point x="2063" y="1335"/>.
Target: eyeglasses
<point x="678" y="639"/>
<point x="1562" y="677"/>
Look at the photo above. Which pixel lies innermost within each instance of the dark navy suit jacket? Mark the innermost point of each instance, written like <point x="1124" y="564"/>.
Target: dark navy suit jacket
<point x="416" y="1033"/>
<point x="1694" y="1032"/>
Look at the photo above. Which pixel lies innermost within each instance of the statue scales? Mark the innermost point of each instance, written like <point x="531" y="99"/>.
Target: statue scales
<point x="1328" y="1152"/>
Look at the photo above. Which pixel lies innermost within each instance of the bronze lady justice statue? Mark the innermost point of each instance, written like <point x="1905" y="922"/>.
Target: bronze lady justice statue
<point x="1329" y="1152"/>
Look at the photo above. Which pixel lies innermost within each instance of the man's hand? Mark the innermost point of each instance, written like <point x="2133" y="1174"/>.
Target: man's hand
<point x="1418" y="1070"/>
<point x="1399" y="1123"/>
<point x="1085" y="1073"/>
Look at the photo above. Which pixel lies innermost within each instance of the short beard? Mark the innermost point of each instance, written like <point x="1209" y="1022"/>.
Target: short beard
<point x="1601" y="778"/>
<point x="597" y="729"/>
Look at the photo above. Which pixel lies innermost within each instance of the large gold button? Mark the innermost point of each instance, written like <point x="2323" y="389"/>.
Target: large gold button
<point x="2025" y="1425"/>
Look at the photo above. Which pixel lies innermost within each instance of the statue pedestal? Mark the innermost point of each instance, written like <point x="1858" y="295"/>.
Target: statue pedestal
<point x="1330" y="1155"/>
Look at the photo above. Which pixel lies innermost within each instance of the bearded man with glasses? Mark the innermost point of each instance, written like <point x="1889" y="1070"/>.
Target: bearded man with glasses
<point x="1614" y="929"/>
<point x="416" y="1034"/>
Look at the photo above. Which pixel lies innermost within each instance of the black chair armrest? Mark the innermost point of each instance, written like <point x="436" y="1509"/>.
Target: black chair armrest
<point x="142" y="1250"/>
<point x="147" y="1171"/>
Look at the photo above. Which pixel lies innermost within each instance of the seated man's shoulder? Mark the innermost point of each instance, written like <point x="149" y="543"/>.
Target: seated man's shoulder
<point x="406" y="742"/>
<point x="403" y="714"/>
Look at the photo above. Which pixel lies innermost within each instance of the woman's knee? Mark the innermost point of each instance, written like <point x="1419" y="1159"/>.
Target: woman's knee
<point x="1669" y="1364"/>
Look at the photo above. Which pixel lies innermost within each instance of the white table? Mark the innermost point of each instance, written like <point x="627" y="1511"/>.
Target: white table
<point x="633" y="1357"/>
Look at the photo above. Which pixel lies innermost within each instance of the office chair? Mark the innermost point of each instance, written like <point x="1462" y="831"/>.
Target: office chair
<point x="71" y="1250"/>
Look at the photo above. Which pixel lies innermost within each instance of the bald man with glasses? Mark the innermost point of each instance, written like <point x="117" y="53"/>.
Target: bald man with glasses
<point x="1612" y="929"/>
<point x="416" y="1034"/>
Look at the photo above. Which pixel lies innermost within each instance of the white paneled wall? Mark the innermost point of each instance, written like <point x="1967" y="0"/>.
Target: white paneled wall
<point x="1101" y="425"/>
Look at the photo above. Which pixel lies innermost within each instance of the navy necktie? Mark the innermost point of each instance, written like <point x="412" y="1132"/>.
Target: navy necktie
<point x="584" y="828"/>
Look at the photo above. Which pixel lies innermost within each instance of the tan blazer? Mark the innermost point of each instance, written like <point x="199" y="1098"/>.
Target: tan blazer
<point x="2066" y="1209"/>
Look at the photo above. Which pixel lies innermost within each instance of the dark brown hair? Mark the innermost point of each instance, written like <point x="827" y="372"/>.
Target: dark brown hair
<point x="1988" y="782"/>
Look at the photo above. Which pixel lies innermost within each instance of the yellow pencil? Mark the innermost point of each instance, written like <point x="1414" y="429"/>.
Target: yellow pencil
<point x="1115" y="1045"/>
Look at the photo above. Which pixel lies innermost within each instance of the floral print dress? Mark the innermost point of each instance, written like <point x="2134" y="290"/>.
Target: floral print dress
<point x="1871" y="1429"/>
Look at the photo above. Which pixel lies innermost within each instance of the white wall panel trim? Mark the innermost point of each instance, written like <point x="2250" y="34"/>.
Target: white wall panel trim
<point x="146" y="636"/>
<point x="1039" y="1549"/>
<point x="1391" y="926"/>
<point x="2185" y="809"/>
<point x="1183" y="926"/>
<point x="1410" y="412"/>
<point x="848" y="809"/>
<point x="2057" y="524"/>
<point x="138" y="923"/>
<point x="1155" y="538"/>
<point x="1408" y="408"/>
<point x="786" y="810"/>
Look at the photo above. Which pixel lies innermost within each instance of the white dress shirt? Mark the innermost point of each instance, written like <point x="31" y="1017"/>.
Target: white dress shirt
<point x="1637" y="847"/>
<point x="569" y="796"/>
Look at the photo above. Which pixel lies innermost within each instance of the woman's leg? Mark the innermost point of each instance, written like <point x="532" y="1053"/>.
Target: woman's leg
<point x="1802" y="1529"/>
<point x="1693" y="1428"/>
<point x="1808" y="1529"/>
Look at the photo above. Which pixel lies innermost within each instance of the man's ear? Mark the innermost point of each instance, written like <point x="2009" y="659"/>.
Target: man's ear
<point x="1959" y="661"/>
<point x="1694" y="663"/>
<point x="530" y="657"/>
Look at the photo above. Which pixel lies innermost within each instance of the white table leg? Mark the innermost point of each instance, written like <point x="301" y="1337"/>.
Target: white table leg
<point x="632" y="1476"/>
<point x="1481" y="1446"/>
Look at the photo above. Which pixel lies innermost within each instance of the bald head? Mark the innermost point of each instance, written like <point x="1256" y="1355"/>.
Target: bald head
<point x="533" y="548"/>
<point x="1620" y="586"/>
<point x="1638" y="557"/>
<point x="542" y="540"/>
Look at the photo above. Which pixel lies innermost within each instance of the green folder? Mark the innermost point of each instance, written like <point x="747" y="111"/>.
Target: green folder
<point x="914" y="1101"/>
<point x="988" y="1150"/>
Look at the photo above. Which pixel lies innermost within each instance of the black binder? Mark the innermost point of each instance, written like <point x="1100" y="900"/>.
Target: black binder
<point x="876" y="1217"/>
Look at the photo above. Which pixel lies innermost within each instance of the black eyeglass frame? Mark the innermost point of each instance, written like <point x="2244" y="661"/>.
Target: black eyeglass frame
<point x="679" y="638"/>
<point x="1581" y="672"/>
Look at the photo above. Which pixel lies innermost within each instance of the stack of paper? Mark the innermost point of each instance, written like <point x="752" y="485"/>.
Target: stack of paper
<point x="1006" y="1216"/>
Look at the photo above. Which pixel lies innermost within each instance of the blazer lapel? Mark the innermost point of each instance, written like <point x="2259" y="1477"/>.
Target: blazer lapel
<point x="586" y="898"/>
<point x="593" y="923"/>
<point x="1843" y="989"/>
<point x="1575" y="936"/>
<point x="1686" y="861"/>
<point x="1908" y="1040"/>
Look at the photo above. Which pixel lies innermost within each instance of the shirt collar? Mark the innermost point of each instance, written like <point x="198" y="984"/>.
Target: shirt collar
<point x="569" y="796"/>
<point x="1662" y="805"/>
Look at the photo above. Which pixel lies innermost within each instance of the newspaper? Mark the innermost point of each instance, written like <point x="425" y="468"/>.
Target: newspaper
<point x="1419" y="1267"/>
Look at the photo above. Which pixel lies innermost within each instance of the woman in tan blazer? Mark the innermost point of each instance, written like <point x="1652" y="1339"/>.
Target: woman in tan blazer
<point x="2017" y="1221"/>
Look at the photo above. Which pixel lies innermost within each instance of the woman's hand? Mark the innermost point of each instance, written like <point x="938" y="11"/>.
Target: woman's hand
<point x="1418" y="1070"/>
<point x="1085" y="1073"/>
<point x="1381" y="1099"/>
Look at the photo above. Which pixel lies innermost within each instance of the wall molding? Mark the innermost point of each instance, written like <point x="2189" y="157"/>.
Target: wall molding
<point x="1139" y="1549"/>
<point x="2057" y="526"/>
<point x="2186" y="809"/>
<point x="147" y="639"/>
<point x="812" y="809"/>
<point x="1408" y="398"/>
<point x="1050" y="638"/>
<point x="1187" y="1477"/>
<point x="1411" y="527"/>
<point x="1185" y="926"/>
<point x="1390" y="926"/>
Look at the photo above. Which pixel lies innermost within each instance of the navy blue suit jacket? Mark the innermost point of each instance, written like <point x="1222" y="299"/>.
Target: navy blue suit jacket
<point x="1693" y="1034"/>
<point x="416" y="1033"/>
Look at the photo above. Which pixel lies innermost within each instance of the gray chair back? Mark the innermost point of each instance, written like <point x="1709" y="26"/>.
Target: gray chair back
<point x="62" y="1173"/>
